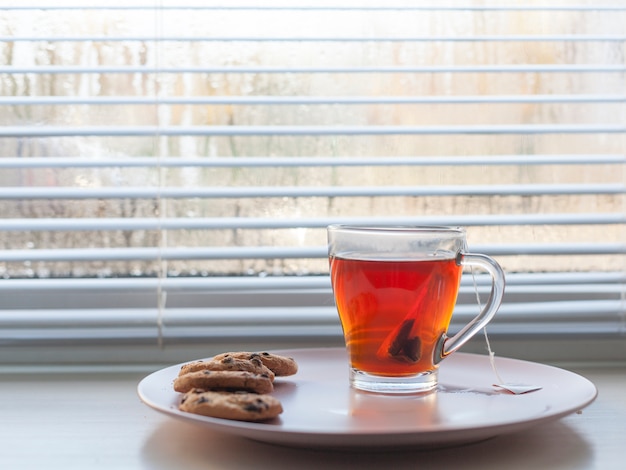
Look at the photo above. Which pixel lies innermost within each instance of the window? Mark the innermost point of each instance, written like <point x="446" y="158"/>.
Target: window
<point x="167" y="171"/>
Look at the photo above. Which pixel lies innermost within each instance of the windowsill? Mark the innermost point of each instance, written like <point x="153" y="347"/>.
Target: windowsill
<point x="561" y="351"/>
<point x="95" y="420"/>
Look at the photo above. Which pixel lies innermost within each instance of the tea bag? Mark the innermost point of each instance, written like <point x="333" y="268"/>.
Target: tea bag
<point x="403" y="343"/>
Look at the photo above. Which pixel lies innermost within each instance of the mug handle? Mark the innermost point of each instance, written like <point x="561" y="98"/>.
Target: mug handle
<point x="448" y="345"/>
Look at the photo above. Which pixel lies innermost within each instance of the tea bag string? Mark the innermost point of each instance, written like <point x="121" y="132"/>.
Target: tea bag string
<point x="492" y="355"/>
<point x="514" y="388"/>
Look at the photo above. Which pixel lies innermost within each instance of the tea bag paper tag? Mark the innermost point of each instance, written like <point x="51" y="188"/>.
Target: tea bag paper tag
<point x="517" y="389"/>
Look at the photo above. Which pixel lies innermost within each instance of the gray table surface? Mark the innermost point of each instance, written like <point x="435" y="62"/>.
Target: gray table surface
<point x="94" y="420"/>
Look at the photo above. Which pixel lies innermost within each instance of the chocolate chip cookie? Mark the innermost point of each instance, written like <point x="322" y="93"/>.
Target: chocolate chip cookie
<point x="281" y="366"/>
<point x="240" y="406"/>
<point x="223" y="380"/>
<point x="254" y="365"/>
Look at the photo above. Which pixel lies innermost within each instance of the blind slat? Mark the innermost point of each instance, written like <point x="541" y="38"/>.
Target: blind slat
<point x="301" y="191"/>
<point x="305" y="100"/>
<point x="457" y="69"/>
<point x="270" y="252"/>
<point x="322" y="39"/>
<point x="541" y="312"/>
<point x="295" y="7"/>
<point x="272" y="283"/>
<point x="297" y="161"/>
<point x="231" y="223"/>
<point x="268" y="130"/>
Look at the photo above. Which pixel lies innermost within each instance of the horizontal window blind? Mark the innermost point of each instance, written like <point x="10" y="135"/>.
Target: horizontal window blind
<point x="167" y="171"/>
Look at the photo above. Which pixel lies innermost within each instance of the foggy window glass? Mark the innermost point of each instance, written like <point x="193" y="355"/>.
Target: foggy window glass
<point x="145" y="138"/>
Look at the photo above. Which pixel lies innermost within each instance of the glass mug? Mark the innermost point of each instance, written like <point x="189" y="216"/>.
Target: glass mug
<point x="395" y="289"/>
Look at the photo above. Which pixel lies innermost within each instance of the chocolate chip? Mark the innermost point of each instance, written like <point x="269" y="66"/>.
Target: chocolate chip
<point x="256" y="407"/>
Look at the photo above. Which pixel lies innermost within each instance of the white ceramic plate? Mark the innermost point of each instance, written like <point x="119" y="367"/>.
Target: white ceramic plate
<point x="322" y="411"/>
